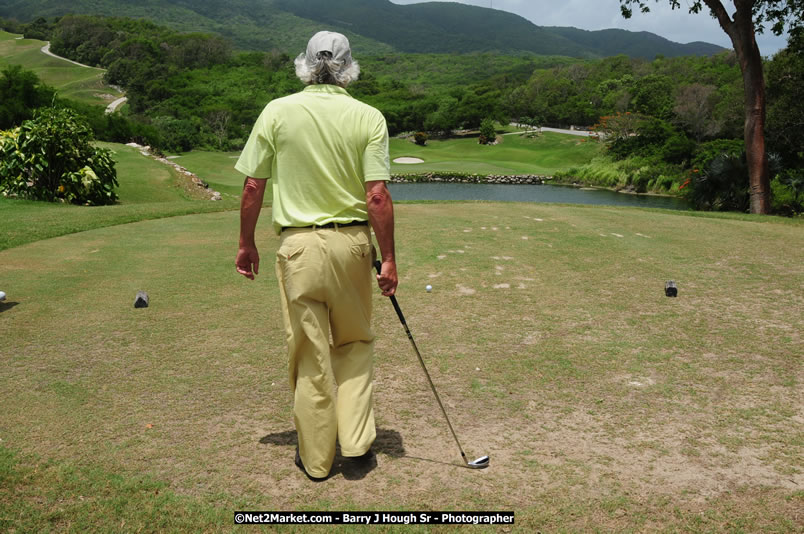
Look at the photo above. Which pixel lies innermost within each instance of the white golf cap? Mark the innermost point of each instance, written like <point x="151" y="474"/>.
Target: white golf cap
<point x="334" y="43"/>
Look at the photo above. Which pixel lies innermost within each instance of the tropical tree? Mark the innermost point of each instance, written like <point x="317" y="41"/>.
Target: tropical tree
<point x="618" y="127"/>
<point x="748" y="19"/>
<point x="694" y="110"/>
<point x="653" y="95"/>
<point x="21" y="93"/>
<point x="785" y="112"/>
<point x="786" y="122"/>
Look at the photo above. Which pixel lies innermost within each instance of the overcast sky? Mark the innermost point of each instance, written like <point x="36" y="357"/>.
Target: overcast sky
<point x="676" y="25"/>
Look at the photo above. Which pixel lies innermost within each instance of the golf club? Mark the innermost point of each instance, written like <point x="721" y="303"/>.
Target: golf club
<point x="479" y="463"/>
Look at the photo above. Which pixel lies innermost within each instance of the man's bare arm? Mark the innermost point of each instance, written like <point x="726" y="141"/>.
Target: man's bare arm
<point x="248" y="258"/>
<point x="381" y="217"/>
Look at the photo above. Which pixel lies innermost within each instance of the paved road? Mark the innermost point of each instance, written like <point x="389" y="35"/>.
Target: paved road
<point x="581" y="133"/>
<point x="111" y="108"/>
<point x="46" y="50"/>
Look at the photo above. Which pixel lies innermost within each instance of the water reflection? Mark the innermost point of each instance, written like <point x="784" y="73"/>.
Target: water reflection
<point x="530" y="193"/>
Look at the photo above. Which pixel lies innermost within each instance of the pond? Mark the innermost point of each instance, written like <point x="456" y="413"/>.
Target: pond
<point x="530" y="193"/>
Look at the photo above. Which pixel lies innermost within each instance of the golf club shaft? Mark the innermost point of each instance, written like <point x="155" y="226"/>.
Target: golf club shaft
<point x="378" y="266"/>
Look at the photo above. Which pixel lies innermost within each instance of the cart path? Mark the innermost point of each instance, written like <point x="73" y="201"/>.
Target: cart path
<point x="581" y="133"/>
<point x="46" y="50"/>
<point x="111" y="108"/>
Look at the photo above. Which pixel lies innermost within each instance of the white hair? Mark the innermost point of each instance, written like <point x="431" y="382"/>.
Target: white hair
<point x="326" y="70"/>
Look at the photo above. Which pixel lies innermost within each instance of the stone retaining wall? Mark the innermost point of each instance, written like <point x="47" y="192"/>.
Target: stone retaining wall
<point x="520" y="179"/>
<point x="146" y="151"/>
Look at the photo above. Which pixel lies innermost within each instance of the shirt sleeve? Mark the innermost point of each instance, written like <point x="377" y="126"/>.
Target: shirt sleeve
<point x="257" y="157"/>
<point x="376" y="161"/>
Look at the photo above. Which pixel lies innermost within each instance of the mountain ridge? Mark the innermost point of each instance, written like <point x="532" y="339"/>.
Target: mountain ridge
<point x="373" y="26"/>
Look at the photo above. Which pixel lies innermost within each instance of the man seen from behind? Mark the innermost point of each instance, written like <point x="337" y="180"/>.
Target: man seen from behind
<point x="326" y="155"/>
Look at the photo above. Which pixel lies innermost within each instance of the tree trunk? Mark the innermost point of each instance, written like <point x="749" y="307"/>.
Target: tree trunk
<point x="741" y="32"/>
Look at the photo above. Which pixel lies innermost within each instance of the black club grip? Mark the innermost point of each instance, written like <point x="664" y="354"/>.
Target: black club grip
<point x="378" y="267"/>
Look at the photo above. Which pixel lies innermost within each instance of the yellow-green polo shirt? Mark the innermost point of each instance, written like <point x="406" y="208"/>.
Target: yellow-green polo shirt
<point x="320" y="146"/>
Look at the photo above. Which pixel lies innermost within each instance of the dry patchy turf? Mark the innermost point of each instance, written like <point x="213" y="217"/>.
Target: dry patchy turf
<point x="601" y="402"/>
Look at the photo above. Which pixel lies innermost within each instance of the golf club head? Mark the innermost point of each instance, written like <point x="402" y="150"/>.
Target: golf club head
<point x="480" y="463"/>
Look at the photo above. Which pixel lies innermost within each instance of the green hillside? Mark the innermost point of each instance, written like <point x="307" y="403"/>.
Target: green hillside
<point x="250" y="24"/>
<point x="72" y="81"/>
<point x="373" y="26"/>
<point x="437" y="27"/>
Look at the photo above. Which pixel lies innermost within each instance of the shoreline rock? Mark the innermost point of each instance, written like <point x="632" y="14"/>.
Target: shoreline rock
<point x="509" y="179"/>
<point x="505" y="179"/>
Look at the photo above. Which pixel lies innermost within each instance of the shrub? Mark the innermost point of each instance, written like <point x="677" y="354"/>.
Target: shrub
<point x="718" y="180"/>
<point x="708" y="151"/>
<point x="601" y="171"/>
<point x="420" y="138"/>
<point x="487" y="132"/>
<point x="50" y="158"/>
<point x="650" y="173"/>
<point x="788" y="192"/>
<point x="114" y="127"/>
<point x="721" y="185"/>
<point x="635" y="135"/>
<point x="177" y="135"/>
<point x="678" y="149"/>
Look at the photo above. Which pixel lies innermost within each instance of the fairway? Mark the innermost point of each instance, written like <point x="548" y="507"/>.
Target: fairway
<point x="603" y="404"/>
<point x="515" y="154"/>
<point x="71" y="81"/>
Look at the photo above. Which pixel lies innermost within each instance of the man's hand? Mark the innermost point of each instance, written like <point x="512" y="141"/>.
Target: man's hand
<point x="387" y="279"/>
<point x="248" y="261"/>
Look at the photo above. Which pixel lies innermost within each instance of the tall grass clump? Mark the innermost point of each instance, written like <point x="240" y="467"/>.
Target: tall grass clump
<point x="601" y="171"/>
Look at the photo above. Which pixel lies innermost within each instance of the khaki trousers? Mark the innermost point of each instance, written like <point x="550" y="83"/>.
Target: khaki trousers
<point x="325" y="284"/>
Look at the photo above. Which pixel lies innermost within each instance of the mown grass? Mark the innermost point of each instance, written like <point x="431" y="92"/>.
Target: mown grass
<point x="603" y="404"/>
<point x="148" y="190"/>
<point x="217" y="169"/>
<point x="517" y="154"/>
<point x="71" y="81"/>
<point x="38" y="496"/>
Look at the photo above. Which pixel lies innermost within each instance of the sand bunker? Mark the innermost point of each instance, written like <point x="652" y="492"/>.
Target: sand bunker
<point x="408" y="161"/>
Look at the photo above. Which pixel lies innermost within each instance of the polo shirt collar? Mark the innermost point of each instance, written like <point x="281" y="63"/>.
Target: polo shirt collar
<point x="326" y="89"/>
